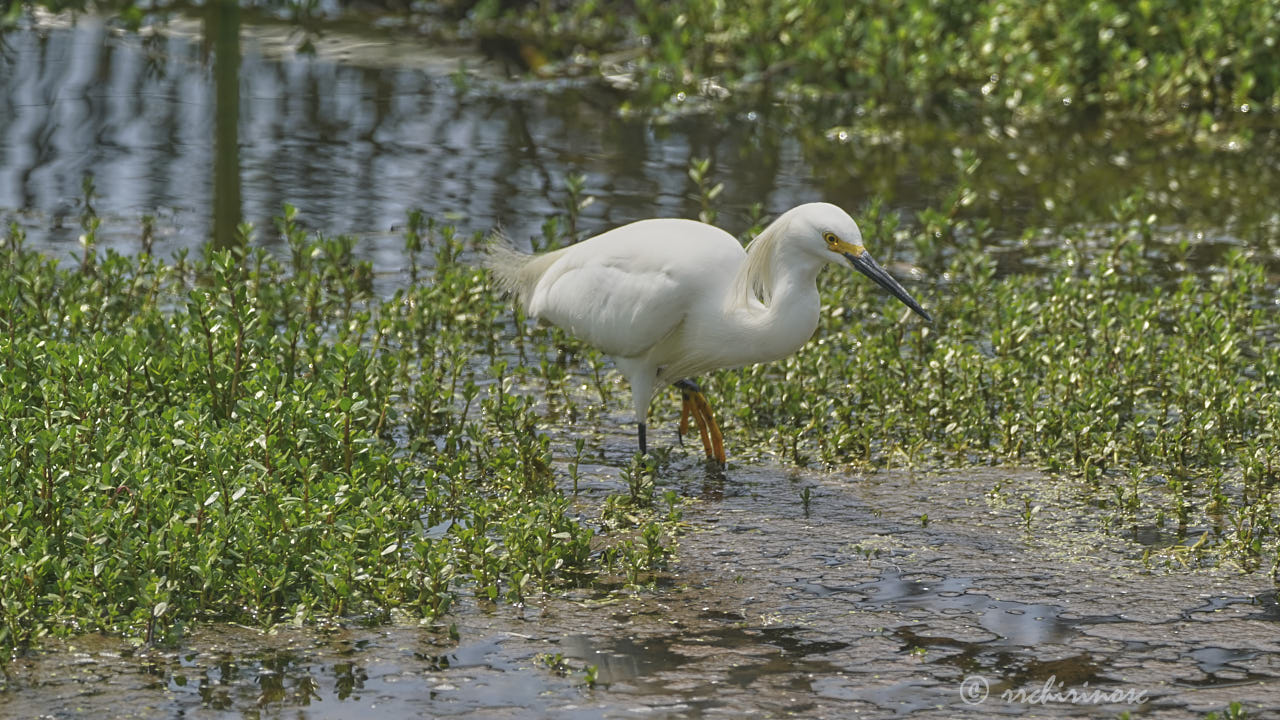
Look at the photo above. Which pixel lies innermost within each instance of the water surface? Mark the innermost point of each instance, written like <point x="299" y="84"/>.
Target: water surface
<point x="851" y="608"/>
<point x="378" y="121"/>
<point x="848" y="603"/>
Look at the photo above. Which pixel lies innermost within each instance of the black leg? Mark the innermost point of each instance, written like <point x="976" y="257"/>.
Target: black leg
<point x="644" y="449"/>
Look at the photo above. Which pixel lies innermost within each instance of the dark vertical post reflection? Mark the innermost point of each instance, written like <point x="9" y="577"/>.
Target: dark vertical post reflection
<point x="223" y="25"/>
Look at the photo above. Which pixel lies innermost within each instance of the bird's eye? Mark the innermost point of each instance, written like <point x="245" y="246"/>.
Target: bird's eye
<point x="830" y="238"/>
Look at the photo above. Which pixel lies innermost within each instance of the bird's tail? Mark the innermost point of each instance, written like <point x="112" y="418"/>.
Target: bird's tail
<point x="513" y="271"/>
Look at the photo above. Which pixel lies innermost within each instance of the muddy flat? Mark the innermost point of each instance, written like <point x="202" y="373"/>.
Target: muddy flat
<point x="852" y="606"/>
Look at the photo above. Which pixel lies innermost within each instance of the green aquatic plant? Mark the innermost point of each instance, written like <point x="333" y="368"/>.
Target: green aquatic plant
<point x="700" y="174"/>
<point x="246" y="438"/>
<point x="1234" y="711"/>
<point x="260" y="438"/>
<point x="1098" y="369"/>
<point x="1009" y="58"/>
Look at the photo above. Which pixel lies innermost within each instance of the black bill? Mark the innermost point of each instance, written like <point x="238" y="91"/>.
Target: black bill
<point x="868" y="266"/>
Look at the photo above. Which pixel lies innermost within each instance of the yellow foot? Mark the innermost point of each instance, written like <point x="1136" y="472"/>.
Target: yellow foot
<point x="696" y="406"/>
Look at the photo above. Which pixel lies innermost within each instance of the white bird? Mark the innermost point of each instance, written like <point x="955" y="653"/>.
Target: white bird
<point x="670" y="299"/>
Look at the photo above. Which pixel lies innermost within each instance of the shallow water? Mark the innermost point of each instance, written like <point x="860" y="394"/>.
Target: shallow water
<point x="852" y="609"/>
<point x="354" y="137"/>
<point x="378" y="122"/>
<point x="850" y="605"/>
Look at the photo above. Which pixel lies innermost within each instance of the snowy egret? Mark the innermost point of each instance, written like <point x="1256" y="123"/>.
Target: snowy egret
<point x="670" y="299"/>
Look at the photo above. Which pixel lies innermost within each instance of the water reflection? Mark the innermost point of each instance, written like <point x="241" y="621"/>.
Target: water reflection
<point x="177" y="124"/>
<point x="222" y="19"/>
<point x="1010" y="623"/>
<point x="354" y="141"/>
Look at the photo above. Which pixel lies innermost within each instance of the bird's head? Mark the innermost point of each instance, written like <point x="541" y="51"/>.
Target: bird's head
<point x="829" y="233"/>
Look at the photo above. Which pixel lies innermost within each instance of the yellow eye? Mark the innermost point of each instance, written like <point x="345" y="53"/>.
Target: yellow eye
<point x="830" y="238"/>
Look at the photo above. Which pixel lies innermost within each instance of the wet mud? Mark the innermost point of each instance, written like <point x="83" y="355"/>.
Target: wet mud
<point x="852" y="605"/>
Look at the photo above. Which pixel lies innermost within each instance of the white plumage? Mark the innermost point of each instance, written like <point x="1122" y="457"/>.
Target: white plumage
<point x="671" y="299"/>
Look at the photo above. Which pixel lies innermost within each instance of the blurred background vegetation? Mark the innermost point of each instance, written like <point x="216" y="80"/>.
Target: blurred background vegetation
<point x="1012" y="59"/>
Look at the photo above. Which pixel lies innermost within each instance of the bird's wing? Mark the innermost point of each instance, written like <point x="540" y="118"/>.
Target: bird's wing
<point x="626" y="290"/>
<point x="610" y="304"/>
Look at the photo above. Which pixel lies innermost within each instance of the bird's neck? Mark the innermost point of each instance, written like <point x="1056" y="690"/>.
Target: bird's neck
<point x="785" y="317"/>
